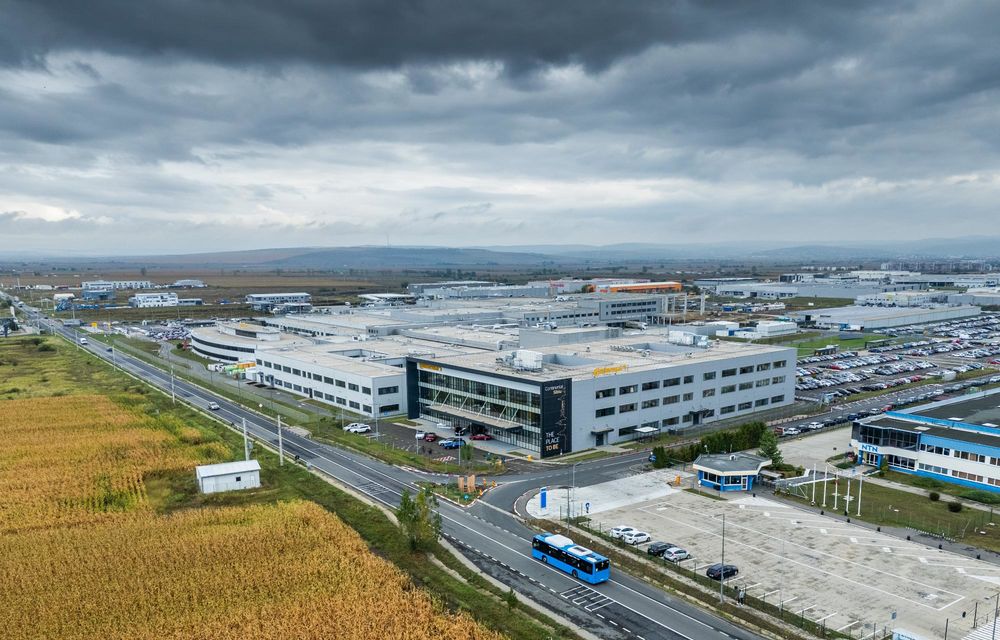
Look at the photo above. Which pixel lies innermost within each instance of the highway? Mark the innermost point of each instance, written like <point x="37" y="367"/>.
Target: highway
<point x="623" y="607"/>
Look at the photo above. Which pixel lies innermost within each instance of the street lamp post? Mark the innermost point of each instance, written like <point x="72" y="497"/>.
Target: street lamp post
<point x="722" y="573"/>
<point x="569" y="503"/>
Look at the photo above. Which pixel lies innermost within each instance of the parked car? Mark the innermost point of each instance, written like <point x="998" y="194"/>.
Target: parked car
<point x="675" y="554"/>
<point x="636" y="537"/>
<point x="453" y="443"/>
<point x="357" y="427"/>
<point x="482" y="436"/>
<point x="430" y="437"/>
<point x="790" y="431"/>
<point x="213" y="406"/>
<point x="657" y="548"/>
<point x="618" y="532"/>
<point x="421" y="435"/>
<point x="722" y="571"/>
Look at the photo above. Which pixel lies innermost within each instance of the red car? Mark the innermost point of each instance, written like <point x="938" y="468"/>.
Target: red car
<point x="430" y="437"/>
<point x="482" y="436"/>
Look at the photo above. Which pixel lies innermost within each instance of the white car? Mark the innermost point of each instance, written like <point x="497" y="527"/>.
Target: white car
<point x="213" y="406"/>
<point x="357" y="427"/>
<point x="421" y="435"/>
<point x="791" y="431"/>
<point x="636" y="537"/>
<point x="675" y="554"/>
<point x="618" y="532"/>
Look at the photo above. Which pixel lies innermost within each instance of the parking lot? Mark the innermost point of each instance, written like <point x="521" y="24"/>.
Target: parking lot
<point x="838" y="574"/>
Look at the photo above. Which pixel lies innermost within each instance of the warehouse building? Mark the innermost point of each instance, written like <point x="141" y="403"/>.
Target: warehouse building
<point x="859" y="318"/>
<point x="956" y="441"/>
<point x="267" y="301"/>
<point x="117" y="284"/>
<point x="240" y="341"/>
<point x="146" y="300"/>
<point x="564" y="398"/>
<point x="228" y="476"/>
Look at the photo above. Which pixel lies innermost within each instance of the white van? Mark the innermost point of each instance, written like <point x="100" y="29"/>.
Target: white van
<point x="83" y="341"/>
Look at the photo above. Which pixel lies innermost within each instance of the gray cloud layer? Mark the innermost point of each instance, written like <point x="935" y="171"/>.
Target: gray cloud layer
<point x="185" y="125"/>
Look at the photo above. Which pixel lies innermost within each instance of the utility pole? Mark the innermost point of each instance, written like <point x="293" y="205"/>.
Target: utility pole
<point x="826" y="481"/>
<point x="813" y="502"/>
<point x="722" y="574"/>
<point x="173" y="396"/>
<point x="246" y="441"/>
<point x="281" y="446"/>
<point x="860" y="483"/>
<point x="847" y="497"/>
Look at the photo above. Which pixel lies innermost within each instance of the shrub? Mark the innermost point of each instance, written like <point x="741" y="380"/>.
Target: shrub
<point x="46" y="347"/>
<point x="954" y="507"/>
<point x="980" y="495"/>
<point x="934" y="496"/>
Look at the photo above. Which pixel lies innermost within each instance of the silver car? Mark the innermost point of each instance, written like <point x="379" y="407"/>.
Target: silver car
<point x="675" y="554"/>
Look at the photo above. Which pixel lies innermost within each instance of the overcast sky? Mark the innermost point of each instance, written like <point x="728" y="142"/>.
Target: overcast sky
<point x="175" y="126"/>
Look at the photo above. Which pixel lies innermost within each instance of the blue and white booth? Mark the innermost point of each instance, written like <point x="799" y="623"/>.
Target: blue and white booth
<point x="729" y="471"/>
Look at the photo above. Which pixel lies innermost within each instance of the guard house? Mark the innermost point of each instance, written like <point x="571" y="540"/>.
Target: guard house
<point x="228" y="476"/>
<point x="729" y="471"/>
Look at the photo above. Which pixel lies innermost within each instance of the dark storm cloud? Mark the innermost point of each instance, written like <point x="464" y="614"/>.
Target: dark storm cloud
<point x="523" y="34"/>
<point x="344" y="122"/>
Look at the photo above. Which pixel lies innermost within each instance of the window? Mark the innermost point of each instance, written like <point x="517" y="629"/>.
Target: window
<point x="341" y="383"/>
<point x="649" y="404"/>
<point x="728" y="373"/>
<point x="687" y="417"/>
<point x="743" y="406"/>
<point x="632" y="388"/>
<point x="298" y="387"/>
<point x="688" y="379"/>
<point x="366" y="408"/>
<point x="624" y="431"/>
<point x="649" y="386"/>
<point x="286" y="369"/>
<point x="667" y="422"/>
<point x="709" y="375"/>
<point x="730" y="409"/>
<point x="354" y="405"/>
<point x="729" y="388"/>
<point x="763" y="383"/>
<point x="974" y="457"/>
<point x="764" y="366"/>
<point x="384" y="391"/>
<point x="607" y="411"/>
<point x="260" y="362"/>
<point x="688" y="397"/>
<point x="746" y="385"/>
<point x="352" y="387"/>
<point x="671" y="400"/>
<point x="747" y="369"/>
<point x="389" y="408"/>
<point x="936" y="469"/>
<point x="777" y="379"/>
<point x="943" y="451"/>
<point x="708" y="393"/>
<point x="239" y="478"/>
<point x="366" y="390"/>
<point x="671" y="382"/>
<point x="965" y="475"/>
<point x="604" y="393"/>
<point x="760" y="403"/>
<point x="296" y="372"/>
<point x="779" y="363"/>
<point x="341" y="400"/>
<point x="900" y="462"/>
<point x="328" y="380"/>
<point x="777" y="399"/>
<point x="625" y="408"/>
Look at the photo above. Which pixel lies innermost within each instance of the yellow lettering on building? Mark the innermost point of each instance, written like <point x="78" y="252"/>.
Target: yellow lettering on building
<point x="603" y="371"/>
<point x="429" y="367"/>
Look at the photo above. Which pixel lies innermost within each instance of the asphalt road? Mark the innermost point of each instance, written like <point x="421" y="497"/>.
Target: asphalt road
<point x="623" y="607"/>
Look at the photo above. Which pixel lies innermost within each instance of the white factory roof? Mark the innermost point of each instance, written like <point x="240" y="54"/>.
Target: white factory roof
<point x="628" y="354"/>
<point x="371" y="357"/>
<point x="284" y="341"/>
<point x="855" y="312"/>
<point x="226" y="468"/>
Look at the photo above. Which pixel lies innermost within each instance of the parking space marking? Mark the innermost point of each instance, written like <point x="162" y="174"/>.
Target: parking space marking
<point x="826" y="617"/>
<point x="848" y="626"/>
<point x="755" y="534"/>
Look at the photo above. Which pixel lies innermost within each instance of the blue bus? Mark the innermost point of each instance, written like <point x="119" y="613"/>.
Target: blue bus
<point x="562" y="553"/>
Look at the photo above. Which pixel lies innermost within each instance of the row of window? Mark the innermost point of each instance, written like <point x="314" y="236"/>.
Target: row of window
<point x="225" y="347"/>
<point x="743" y="406"/>
<point x="673" y="382"/>
<point x="350" y="386"/>
<point x="955" y="473"/>
<point x="655" y="402"/>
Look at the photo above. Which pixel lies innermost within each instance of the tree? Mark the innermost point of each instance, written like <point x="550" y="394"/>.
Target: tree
<point x="659" y="457"/>
<point x="769" y="447"/>
<point x="419" y="519"/>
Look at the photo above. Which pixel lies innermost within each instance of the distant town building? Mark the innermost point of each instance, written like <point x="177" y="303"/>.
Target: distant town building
<point x="142" y="300"/>
<point x="188" y="284"/>
<point x="117" y="284"/>
<point x="267" y="301"/>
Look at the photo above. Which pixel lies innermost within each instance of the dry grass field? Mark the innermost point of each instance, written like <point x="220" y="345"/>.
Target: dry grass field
<point x="102" y="534"/>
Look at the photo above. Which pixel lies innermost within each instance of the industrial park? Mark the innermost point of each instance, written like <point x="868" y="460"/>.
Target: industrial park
<point x="499" y="321"/>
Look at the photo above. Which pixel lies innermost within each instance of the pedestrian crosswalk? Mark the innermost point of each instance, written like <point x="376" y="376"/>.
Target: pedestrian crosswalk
<point x="586" y="598"/>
